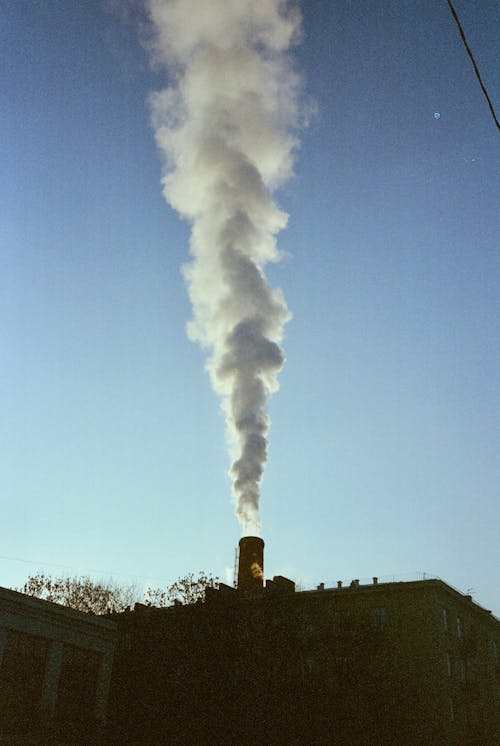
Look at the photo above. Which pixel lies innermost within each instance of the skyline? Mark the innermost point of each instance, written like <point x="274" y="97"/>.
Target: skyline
<point x="383" y="455"/>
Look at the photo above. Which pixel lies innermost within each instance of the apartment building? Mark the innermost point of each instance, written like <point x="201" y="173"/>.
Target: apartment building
<point x="379" y="663"/>
<point x="55" y="671"/>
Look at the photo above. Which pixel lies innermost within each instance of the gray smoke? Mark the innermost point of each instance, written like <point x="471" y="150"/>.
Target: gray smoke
<point x="224" y="128"/>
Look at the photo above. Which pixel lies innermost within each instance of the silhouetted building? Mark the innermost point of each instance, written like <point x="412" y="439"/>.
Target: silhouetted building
<point x="55" y="669"/>
<point x="384" y="663"/>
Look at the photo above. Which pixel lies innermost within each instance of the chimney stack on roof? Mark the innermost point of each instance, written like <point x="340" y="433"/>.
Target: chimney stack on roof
<point x="251" y="564"/>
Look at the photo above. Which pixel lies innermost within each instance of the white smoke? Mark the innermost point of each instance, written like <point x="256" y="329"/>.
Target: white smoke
<point x="224" y="128"/>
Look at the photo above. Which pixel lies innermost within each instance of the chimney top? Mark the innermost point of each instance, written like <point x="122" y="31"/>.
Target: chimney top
<point x="251" y="564"/>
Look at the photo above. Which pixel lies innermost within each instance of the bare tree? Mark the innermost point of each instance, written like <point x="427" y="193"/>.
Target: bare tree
<point x="81" y="593"/>
<point x="186" y="590"/>
<point x="84" y="594"/>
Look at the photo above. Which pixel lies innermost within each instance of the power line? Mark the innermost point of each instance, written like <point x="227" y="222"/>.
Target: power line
<point x="476" y="69"/>
<point x="88" y="570"/>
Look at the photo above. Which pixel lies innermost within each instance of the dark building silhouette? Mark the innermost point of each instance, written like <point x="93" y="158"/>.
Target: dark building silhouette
<point x="55" y="669"/>
<point x="384" y="663"/>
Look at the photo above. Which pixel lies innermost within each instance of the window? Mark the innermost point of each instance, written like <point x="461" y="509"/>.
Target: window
<point x="305" y="626"/>
<point x="76" y="697"/>
<point x="21" y="677"/>
<point x="494" y="655"/>
<point x="3" y="642"/>
<point x="379" y="617"/>
<point x="463" y="670"/>
<point x="342" y="621"/>
<point x="307" y="665"/>
<point x="445" y="618"/>
<point x="460" y="628"/>
<point x="448" y="663"/>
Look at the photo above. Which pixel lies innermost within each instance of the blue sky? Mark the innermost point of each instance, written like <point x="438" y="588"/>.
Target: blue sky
<point x="384" y="439"/>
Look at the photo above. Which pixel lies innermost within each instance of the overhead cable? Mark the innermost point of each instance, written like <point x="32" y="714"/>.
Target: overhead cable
<point x="92" y="570"/>
<point x="476" y="69"/>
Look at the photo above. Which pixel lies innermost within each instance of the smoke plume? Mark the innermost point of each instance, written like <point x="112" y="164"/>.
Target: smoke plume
<point x="224" y="128"/>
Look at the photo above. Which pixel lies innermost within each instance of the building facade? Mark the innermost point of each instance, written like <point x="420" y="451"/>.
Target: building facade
<point x="55" y="670"/>
<point x="385" y="663"/>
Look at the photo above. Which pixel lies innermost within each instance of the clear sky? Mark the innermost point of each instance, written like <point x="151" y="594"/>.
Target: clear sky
<point x="384" y="447"/>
